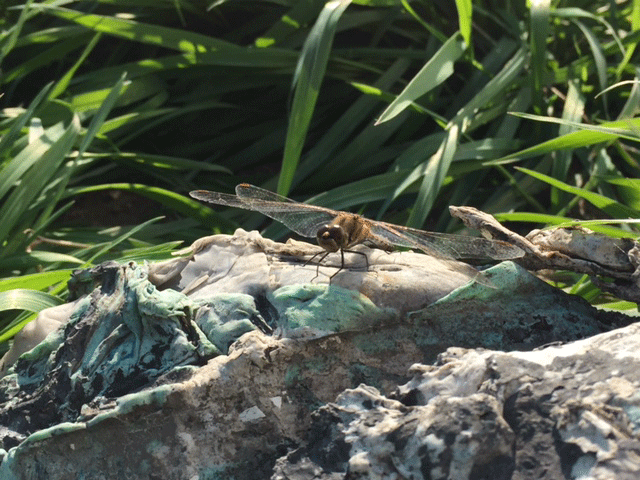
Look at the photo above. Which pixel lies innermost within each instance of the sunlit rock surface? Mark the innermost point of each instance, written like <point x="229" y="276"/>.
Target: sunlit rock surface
<point x="571" y="411"/>
<point x="240" y="362"/>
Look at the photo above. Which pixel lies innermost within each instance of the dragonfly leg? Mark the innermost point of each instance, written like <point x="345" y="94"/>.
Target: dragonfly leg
<point x="324" y="255"/>
<point x="366" y="259"/>
<point x="341" y="266"/>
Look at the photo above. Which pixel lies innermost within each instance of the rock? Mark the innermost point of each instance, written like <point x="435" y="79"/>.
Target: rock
<point x="241" y="362"/>
<point x="248" y="263"/>
<point x="574" y="248"/>
<point x="35" y="332"/>
<point x="570" y="411"/>
<point x="121" y="337"/>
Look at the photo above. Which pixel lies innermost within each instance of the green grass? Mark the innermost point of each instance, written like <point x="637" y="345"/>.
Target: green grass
<point x="390" y="108"/>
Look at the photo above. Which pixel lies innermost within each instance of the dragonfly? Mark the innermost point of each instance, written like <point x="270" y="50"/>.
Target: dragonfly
<point x="338" y="231"/>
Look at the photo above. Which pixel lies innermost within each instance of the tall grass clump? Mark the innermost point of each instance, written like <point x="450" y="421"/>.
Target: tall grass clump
<point x="112" y="111"/>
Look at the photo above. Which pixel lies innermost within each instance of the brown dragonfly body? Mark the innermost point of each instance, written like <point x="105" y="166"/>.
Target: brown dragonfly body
<point x="339" y="231"/>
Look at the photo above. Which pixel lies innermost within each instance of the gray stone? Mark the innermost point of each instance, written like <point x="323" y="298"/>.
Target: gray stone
<point x="570" y="411"/>
<point x="239" y="361"/>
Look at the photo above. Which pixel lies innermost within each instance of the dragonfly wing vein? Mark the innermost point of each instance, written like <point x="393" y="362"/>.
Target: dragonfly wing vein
<point x="402" y="238"/>
<point x="468" y="247"/>
<point x="218" y="198"/>
<point x="453" y="246"/>
<point x="301" y="218"/>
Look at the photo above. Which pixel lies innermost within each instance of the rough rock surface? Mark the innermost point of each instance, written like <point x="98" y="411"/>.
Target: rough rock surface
<point x="241" y="371"/>
<point x="570" y="411"/>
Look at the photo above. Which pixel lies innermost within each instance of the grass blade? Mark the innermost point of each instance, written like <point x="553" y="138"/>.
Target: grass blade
<point x="17" y="125"/>
<point x="587" y="135"/>
<point x="176" y="39"/>
<point x="572" y="112"/>
<point x="63" y="83"/>
<point x="611" y="207"/>
<point x="109" y="245"/>
<point x="307" y="80"/>
<point x="45" y="157"/>
<point x="433" y="177"/>
<point x="36" y="281"/>
<point x="435" y="71"/>
<point x="100" y="116"/>
<point x="539" y="31"/>
<point x="345" y="127"/>
<point x="14" y="33"/>
<point x="29" y="300"/>
<point x="465" y="10"/>
<point x="598" y="57"/>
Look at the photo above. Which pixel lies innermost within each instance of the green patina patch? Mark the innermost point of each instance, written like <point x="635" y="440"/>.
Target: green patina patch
<point x="325" y="308"/>
<point x="292" y="376"/>
<point x="225" y="317"/>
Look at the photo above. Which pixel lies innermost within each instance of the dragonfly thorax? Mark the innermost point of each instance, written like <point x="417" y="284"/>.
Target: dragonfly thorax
<point x="332" y="238"/>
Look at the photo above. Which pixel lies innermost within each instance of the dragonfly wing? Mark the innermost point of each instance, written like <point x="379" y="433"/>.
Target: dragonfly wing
<point x="301" y="218"/>
<point x="460" y="246"/>
<point x="449" y="246"/>
<point x="388" y="233"/>
<point x="251" y="193"/>
<point x="430" y="244"/>
<point x="302" y="221"/>
<point x="218" y="198"/>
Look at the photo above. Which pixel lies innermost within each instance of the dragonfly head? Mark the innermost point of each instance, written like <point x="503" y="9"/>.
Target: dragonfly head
<point x="332" y="238"/>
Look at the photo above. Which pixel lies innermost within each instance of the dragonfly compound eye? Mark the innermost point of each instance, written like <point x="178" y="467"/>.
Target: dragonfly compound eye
<point x="332" y="238"/>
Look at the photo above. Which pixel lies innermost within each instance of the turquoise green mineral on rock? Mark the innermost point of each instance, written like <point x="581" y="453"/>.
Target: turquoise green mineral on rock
<point x="225" y="317"/>
<point x="325" y="308"/>
<point x="122" y="336"/>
